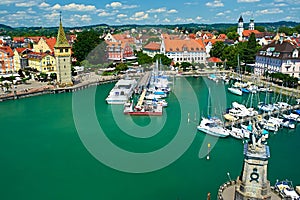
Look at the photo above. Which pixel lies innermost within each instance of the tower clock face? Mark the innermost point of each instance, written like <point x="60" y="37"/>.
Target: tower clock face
<point x="254" y="176"/>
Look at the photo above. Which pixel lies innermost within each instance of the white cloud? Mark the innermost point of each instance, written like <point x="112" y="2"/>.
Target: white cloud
<point x="105" y="14"/>
<point x="198" y="18"/>
<point x="52" y="16"/>
<point x="191" y="3"/>
<point x="83" y="18"/>
<point x="26" y="4"/>
<point x="44" y="5"/>
<point x="215" y="3"/>
<point x="138" y="16"/>
<point x="30" y="11"/>
<point x="189" y="20"/>
<point x="220" y="14"/>
<point x="247" y="1"/>
<point x="129" y="6"/>
<point x="178" y="19"/>
<point x="269" y="11"/>
<point x="166" y="20"/>
<point x="121" y="16"/>
<point x="56" y="7"/>
<point x="78" y="7"/>
<point x="158" y="10"/>
<point x="8" y="2"/>
<point x="114" y="5"/>
<point x="3" y="12"/>
<point x="172" y="11"/>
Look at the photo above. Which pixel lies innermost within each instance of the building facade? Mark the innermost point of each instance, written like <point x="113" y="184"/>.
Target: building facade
<point x="279" y="56"/>
<point x="183" y="50"/>
<point x="21" y="58"/>
<point x="152" y="49"/>
<point x="43" y="62"/>
<point x="119" y="51"/>
<point x="6" y="60"/>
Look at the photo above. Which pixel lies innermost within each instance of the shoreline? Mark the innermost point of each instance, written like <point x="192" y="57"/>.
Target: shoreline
<point x="91" y="79"/>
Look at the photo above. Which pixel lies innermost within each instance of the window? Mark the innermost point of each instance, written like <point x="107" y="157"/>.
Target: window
<point x="61" y="50"/>
<point x="66" y="50"/>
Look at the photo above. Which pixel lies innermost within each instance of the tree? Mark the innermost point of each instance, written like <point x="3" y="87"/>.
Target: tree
<point x="185" y="65"/>
<point x="260" y="28"/>
<point x="250" y="50"/>
<point x="53" y="76"/>
<point x="164" y="59"/>
<point x="86" y="41"/>
<point x="233" y="35"/>
<point x="143" y="58"/>
<point x="217" y="49"/>
<point x="121" y="67"/>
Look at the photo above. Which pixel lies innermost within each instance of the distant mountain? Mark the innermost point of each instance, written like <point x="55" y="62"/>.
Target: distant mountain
<point x="217" y="26"/>
<point x="5" y="27"/>
<point x="51" y="31"/>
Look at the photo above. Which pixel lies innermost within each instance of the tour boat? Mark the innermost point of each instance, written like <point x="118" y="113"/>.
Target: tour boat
<point x="121" y="92"/>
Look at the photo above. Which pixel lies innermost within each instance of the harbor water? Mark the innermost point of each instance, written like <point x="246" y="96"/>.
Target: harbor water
<point x="51" y="150"/>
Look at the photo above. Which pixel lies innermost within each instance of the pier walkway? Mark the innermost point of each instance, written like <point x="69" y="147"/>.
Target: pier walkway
<point x="261" y="116"/>
<point x="143" y="81"/>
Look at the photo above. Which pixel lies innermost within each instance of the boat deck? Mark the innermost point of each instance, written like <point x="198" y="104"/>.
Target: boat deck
<point x="247" y="119"/>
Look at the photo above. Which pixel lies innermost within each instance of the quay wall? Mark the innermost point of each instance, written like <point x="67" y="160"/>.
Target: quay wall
<point x="53" y="90"/>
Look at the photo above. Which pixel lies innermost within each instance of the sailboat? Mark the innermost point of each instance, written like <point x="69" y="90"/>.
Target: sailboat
<point x="233" y="89"/>
<point x="213" y="126"/>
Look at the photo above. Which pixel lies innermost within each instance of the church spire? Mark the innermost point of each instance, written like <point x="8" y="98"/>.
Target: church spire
<point x="61" y="40"/>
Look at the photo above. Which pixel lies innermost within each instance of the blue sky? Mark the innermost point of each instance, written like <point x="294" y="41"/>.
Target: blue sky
<point x="87" y="12"/>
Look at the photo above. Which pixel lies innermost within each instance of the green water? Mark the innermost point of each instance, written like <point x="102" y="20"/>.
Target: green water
<point x="43" y="156"/>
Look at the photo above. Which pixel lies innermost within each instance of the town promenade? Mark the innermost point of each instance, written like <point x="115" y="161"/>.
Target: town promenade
<point x="34" y="88"/>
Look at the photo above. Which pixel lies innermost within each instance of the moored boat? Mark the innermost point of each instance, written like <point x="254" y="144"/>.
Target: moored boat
<point x="211" y="127"/>
<point x="235" y="90"/>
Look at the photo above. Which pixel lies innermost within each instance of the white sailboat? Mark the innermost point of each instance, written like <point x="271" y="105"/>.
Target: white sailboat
<point x="213" y="125"/>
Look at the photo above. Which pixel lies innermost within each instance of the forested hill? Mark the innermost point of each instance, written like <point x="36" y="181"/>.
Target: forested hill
<point x="221" y="27"/>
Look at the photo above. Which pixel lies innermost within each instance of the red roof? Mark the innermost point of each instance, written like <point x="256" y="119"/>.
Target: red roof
<point x="247" y="33"/>
<point x="7" y="50"/>
<point x="152" y="46"/>
<point x="222" y="36"/>
<point x="214" y="60"/>
<point x="18" y="39"/>
<point x="51" y="42"/>
<point x="20" y="50"/>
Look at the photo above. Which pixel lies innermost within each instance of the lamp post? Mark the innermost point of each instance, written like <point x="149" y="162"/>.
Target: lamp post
<point x="228" y="174"/>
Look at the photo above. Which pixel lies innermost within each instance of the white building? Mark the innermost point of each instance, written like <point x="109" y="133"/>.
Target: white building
<point x="279" y="56"/>
<point x="183" y="50"/>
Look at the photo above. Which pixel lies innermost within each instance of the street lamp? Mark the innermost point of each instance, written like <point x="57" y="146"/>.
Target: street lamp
<point x="228" y="174"/>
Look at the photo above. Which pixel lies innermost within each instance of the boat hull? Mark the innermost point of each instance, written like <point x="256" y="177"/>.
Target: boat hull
<point x="211" y="132"/>
<point x="146" y="113"/>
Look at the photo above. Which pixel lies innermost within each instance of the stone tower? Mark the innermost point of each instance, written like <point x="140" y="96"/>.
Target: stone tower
<point x="62" y="52"/>
<point x="251" y="24"/>
<point x="253" y="183"/>
<point x="240" y="28"/>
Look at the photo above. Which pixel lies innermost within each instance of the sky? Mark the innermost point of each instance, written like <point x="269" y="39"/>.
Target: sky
<point x="16" y="13"/>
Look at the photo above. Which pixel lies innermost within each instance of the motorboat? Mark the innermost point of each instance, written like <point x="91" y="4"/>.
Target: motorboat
<point x="292" y="116"/>
<point x="271" y="125"/>
<point x="212" y="127"/>
<point x="235" y="90"/>
<point x="286" y="190"/>
<point x="267" y="107"/>
<point x="239" y="133"/>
